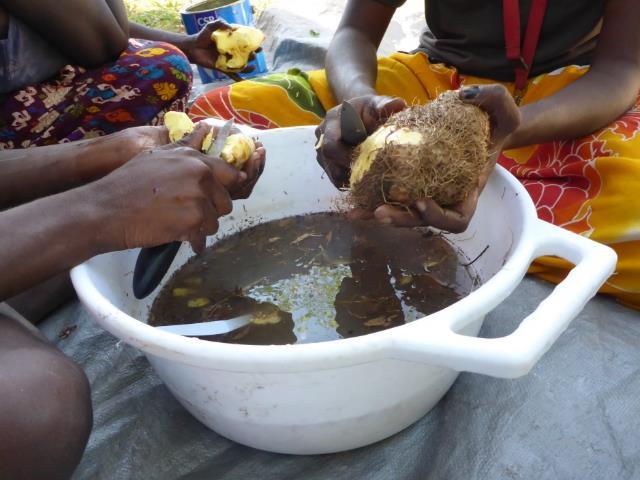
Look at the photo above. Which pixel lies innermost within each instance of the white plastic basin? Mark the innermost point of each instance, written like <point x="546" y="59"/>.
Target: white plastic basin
<point x="333" y="396"/>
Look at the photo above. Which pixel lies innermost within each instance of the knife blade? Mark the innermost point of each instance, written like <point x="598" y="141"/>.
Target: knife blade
<point x="218" y="144"/>
<point x="206" y="329"/>
<point x="352" y="129"/>
<point x="154" y="262"/>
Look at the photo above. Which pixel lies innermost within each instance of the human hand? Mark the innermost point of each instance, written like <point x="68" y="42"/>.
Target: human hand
<point x="333" y="154"/>
<point x="504" y="116"/>
<point x="136" y="140"/>
<point x="99" y="156"/>
<point x="201" y="50"/>
<point x="253" y="168"/>
<point x="170" y="193"/>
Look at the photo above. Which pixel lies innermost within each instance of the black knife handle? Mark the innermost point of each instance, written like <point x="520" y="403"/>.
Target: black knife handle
<point x="151" y="267"/>
<point x="353" y="131"/>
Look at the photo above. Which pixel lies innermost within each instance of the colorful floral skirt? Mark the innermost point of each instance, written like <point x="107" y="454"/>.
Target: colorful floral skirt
<point x="589" y="185"/>
<point x="147" y="79"/>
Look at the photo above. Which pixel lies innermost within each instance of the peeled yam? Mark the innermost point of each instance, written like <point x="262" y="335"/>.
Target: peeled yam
<point x="237" y="149"/>
<point x="235" y="45"/>
<point x="179" y="125"/>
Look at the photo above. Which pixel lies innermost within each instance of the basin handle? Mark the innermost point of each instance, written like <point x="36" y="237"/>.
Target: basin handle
<point x="514" y="355"/>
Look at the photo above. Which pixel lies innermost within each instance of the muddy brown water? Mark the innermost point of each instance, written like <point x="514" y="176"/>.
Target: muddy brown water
<point x="315" y="278"/>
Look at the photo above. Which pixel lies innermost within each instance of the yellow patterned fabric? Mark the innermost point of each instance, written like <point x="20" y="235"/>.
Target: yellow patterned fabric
<point x="588" y="185"/>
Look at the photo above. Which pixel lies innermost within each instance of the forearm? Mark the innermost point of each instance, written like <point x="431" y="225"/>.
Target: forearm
<point x="602" y="95"/>
<point x="587" y="105"/>
<point x="32" y="173"/>
<point x="140" y="31"/>
<point x="46" y="237"/>
<point x="351" y="65"/>
<point x="351" y="62"/>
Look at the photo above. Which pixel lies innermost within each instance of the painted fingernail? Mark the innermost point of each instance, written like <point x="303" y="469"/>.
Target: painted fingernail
<point x="469" y="93"/>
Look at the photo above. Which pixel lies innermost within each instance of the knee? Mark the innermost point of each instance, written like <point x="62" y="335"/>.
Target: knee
<point x="156" y="57"/>
<point x="45" y="403"/>
<point x="162" y="71"/>
<point x="178" y="60"/>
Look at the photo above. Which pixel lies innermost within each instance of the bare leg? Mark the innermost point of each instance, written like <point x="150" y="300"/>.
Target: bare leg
<point x="45" y="407"/>
<point x="38" y="302"/>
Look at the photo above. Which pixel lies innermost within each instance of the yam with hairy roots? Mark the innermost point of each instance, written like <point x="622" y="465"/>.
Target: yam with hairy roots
<point x="437" y="151"/>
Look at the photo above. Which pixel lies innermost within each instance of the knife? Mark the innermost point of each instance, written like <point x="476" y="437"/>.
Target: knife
<point x="207" y="329"/>
<point x="216" y="147"/>
<point x="351" y="126"/>
<point x="154" y="262"/>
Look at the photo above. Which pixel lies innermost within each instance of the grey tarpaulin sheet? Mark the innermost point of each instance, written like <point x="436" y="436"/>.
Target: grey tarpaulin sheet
<point x="575" y="416"/>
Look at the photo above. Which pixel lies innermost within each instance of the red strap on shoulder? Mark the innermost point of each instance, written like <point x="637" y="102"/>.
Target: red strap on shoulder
<point x="511" y="21"/>
<point x="522" y="57"/>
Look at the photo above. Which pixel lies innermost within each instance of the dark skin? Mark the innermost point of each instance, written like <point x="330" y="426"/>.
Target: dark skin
<point x="69" y="165"/>
<point x="130" y="189"/>
<point x="46" y="413"/>
<point x="126" y="190"/>
<point x="198" y="47"/>
<point x="134" y="177"/>
<point x="104" y="31"/>
<point x="594" y="101"/>
<point x="99" y="37"/>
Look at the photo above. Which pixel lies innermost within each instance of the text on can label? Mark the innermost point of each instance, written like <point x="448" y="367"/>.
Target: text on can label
<point x="202" y="21"/>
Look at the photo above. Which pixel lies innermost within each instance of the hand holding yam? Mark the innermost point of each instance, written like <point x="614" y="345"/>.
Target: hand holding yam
<point x="427" y="165"/>
<point x="225" y="47"/>
<point x="237" y="149"/>
<point x="436" y="151"/>
<point x="235" y="46"/>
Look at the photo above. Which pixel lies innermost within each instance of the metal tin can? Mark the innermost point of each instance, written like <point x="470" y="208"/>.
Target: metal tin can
<point x="196" y="16"/>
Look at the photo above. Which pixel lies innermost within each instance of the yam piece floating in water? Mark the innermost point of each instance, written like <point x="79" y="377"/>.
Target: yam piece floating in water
<point x="437" y="151"/>
<point x="235" y="46"/>
<point x="237" y="149"/>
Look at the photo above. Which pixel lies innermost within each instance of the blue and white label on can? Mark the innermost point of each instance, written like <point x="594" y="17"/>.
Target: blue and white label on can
<point x="197" y="16"/>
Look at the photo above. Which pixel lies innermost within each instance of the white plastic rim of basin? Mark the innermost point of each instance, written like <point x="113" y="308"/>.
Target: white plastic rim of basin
<point x="431" y="340"/>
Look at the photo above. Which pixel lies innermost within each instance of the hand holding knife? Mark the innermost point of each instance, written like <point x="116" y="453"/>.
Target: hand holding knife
<point x="154" y="262"/>
<point x="352" y="128"/>
<point x="335" y="155"/>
